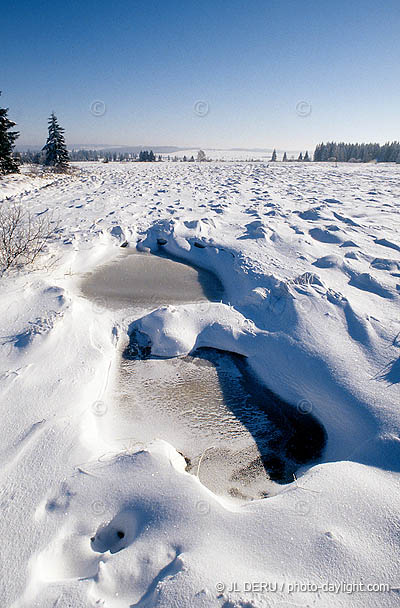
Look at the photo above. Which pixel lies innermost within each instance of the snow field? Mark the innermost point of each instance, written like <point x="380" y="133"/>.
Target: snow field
<point x="309" y="257"/>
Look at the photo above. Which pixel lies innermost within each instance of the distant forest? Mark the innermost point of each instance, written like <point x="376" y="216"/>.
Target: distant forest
<point x="331" y="151"/>
<point x="36" y="157"/>
<point x="358" y="153"/>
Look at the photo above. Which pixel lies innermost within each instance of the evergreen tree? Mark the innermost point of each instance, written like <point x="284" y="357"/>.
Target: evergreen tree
<point x="361" y="153"/>
<point x="38" y="158"/>
<point x="8" y="164"/>
<point x="55" y="148"/>
<point x="284" y="159"/>
<point x="306" y="157"/>
<point x="146" y="156"/>
<point x="300" y="156"/>
<point x="273" y="157"/>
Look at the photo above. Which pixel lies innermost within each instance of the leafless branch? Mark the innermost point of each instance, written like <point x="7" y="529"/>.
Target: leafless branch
<point x="23" y="236"/>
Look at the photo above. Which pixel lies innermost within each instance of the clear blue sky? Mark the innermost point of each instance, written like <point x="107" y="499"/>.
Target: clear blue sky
<point x="251" y="61"/>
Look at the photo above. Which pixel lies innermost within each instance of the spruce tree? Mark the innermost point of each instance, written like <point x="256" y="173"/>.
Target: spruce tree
<point x="55" y="148"/>
<point x="284" y="159"/>
<point x="146" y="156"/>
<point x="306" y="156"/>
<point x="300" y="156"/>
<point x="8" y="164"/>
<point x="273" y="157"/>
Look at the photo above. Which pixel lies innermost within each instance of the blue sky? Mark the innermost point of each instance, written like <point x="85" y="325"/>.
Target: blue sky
<point x="251" y="62"/>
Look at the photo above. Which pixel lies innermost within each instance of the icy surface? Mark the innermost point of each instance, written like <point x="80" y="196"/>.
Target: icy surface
<point x="309" y="258"/>
<point x="209" y="406"/>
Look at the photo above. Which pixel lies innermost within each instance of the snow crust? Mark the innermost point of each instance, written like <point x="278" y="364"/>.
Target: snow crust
<point x="309" y="256"/>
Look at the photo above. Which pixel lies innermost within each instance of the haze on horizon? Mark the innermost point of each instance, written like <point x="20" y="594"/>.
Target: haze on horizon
<point x="197" y="74"/>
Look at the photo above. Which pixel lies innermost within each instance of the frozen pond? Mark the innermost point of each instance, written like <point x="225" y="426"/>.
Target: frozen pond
<point x="140" y="280"/>
<point x="239" y="437"/>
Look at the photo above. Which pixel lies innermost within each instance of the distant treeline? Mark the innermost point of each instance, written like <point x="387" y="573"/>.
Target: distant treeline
<point x="358" y="153"/>
<point x="36" y="157"/>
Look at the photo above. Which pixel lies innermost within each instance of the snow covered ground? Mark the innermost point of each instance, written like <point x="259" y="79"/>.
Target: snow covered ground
<point x="309" y="256"/>
<point x="230" y="155"/>
<point x="238" y="154"/>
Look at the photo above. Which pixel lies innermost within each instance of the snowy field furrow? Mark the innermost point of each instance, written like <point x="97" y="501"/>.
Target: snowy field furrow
<point x="309" y="257"/>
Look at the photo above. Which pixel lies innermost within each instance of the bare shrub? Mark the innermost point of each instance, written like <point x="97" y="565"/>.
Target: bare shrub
<point x="23" y="236"/>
